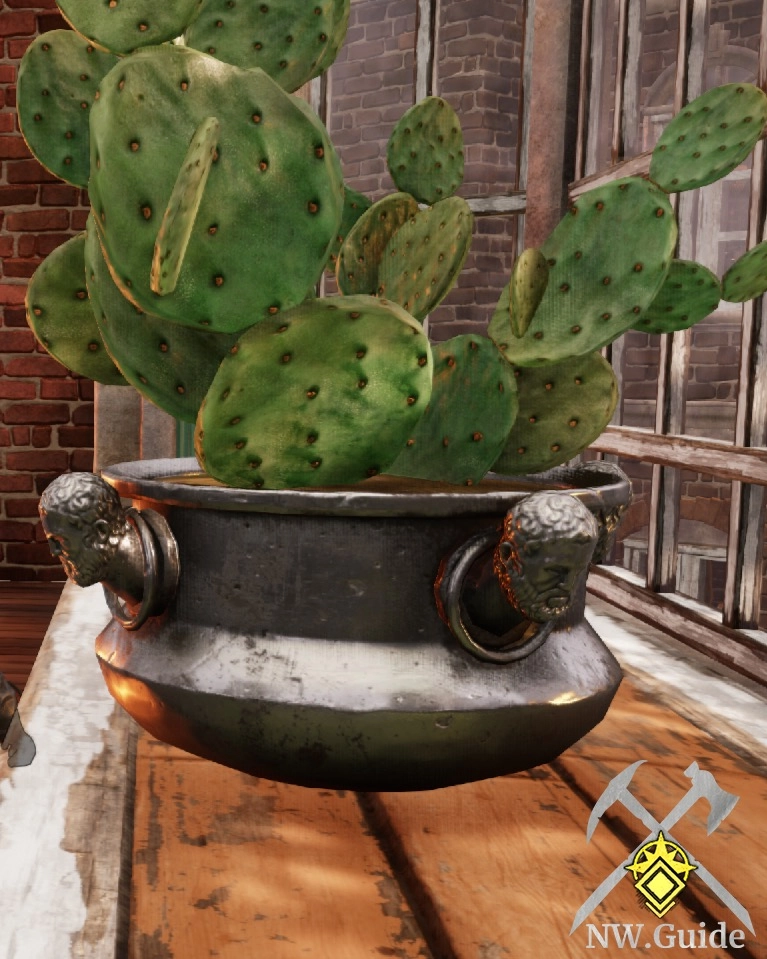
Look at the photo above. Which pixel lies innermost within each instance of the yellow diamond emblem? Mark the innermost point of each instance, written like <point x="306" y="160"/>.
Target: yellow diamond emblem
<point x="661" y="869"/>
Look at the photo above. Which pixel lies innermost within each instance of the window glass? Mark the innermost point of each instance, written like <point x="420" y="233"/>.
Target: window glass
<point x="648" y="97"/>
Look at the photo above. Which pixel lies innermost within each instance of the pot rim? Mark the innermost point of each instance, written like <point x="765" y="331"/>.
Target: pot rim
<point x="166" y="482"/>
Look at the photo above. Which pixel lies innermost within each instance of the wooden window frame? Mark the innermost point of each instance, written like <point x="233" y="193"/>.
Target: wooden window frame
<point x="734" y="638"/>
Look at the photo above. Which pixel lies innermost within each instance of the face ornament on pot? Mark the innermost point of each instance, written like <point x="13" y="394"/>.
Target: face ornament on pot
<point x="394" y="635"/>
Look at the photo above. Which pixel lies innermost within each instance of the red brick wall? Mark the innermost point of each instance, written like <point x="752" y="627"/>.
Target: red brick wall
<point x="46" y="415"/>
<point x="479" y="55"/>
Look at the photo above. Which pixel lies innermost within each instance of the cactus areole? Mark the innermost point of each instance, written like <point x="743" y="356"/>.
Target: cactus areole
<point x="353" y="516"/>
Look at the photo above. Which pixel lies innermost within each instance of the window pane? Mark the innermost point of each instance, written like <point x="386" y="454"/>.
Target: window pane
<point x="703" y="530"/>
<point x="630" y="550"/>
<point x="650" y="74"/>
<point x="604" y="56"/>
<point x="479" y="73"/>
<point x="470" y="304"/>
<point x="637" y="370"/>
<point x="713" y="225"/>
<point x="371" y="86"/>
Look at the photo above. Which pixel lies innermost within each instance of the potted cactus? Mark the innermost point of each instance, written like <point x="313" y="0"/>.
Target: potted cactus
<point x="217" y="201"/>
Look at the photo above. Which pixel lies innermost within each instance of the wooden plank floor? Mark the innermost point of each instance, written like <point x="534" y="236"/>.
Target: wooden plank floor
<point x="231" y="867"/>
<point x="25" y="612"/>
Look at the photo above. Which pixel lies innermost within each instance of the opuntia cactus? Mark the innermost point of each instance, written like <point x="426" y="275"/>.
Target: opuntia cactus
<point x="218" y="200"/>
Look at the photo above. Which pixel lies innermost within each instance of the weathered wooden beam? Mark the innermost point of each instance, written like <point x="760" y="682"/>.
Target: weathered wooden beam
<point x="685" y="452"/>
<point x="66" y="819"/>
<point x="546" y="180"/>
<point x="493" y="205"/>
<point x="583" y="93"/>
<point x="741" y="652"/>
<point x="745" y="546"/>
<point x="616" y="141"/>
<point x="635" y="166"/>
<point x="426" y="39"/>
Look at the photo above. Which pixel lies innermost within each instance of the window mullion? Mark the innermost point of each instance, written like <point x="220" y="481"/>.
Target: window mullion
<point x="745" y="546"/>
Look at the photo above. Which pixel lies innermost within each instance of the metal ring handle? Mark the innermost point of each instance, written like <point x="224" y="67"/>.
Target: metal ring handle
<point x="151" y="579"/>
<point x="534" y="636"/>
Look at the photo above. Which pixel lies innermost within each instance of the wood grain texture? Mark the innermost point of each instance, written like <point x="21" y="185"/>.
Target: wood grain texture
<point x="503" y="866"/>
<point x="736" y="853"/>
<point x="63" y="818"/>
<point x="233" y="867"/>
<point x="25" y="612"/>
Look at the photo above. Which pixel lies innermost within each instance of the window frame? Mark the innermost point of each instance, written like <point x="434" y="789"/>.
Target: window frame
<point x="668" y="448"/>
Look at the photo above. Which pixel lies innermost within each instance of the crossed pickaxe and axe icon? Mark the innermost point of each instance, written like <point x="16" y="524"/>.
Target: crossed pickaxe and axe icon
<point x="704" y="786"/>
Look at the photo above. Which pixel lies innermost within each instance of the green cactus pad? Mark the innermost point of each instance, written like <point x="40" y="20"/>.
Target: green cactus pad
<point x="747" y="277"/>
<point x="169" y="364"/>
<point x="472" y="408"/>
<point x="499" y="330"/>
<point x="563" y="408"/>
<point x="60" y="315"/>
<point x="424" y="257"/>
<point x="291" y="40"/>
<point x="183" y="206"/>
<point x="528" y="284"/>
<point x="425" y="151"/>
<point x="709" y="137"/>
<point x="355" y="204"/>
<point x="607" y="260"/>
<point x="689" y="293"/>
<point x="361" y="252"/>
<point x="121" y="26"/>
<point x="58" y="80"/>
<point x="271" y="207"/>
<point x="325" y="394"/>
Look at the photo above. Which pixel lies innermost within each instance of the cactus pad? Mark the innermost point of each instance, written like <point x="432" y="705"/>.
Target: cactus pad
<point x="424" y="257"/>
<point x="170" y="364"/>
<point x="747" y="277"/>
<point x="689" y="293"/>
<point x="327" y="393"/>
<point x="607" y="260"/>
<point x="121" y="26"/>
<point x="528" y="284"/>
<point x="183" y="206"/>
<point x="709" y="137"/>
<point x="425" y="151"/>
<point x="271" y="207"/>
<point x="360" y="258"/>
<point x="355" y="204"/>
<point x="291" y="40"/>
<point x="61" y="317"/>
<point x="562" y="409"/>
<point x="58" y="80"/>
<point x="499" y="330"/>
<point x="472" y="408"/>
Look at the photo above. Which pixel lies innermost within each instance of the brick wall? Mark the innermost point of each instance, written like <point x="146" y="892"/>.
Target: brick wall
<point x="46" y="415"/>
<point x="479" y="73"/>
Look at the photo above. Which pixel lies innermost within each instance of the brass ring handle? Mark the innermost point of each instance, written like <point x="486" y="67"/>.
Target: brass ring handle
<point x="451" y="590"/>
<point x="151" y="577"/>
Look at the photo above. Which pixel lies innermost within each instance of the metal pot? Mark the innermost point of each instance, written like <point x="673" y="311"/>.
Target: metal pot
<point x="389" y="636"/>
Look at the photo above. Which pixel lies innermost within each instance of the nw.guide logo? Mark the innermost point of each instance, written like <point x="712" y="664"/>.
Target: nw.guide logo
<point x="660" y="866"/>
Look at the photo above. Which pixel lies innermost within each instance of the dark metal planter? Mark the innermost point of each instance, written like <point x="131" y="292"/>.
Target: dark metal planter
<point x="354" y="638"/>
